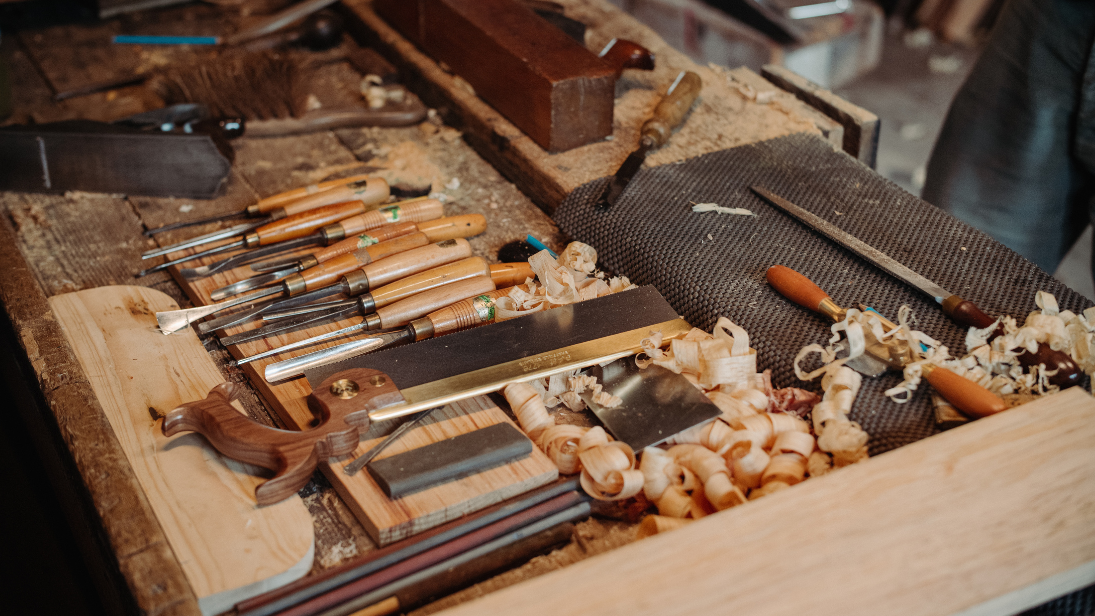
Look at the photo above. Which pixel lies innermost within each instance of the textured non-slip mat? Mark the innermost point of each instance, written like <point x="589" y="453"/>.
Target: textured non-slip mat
<point x="709" y="265"/>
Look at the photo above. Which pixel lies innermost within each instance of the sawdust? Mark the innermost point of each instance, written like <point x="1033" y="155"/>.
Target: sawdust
<point x="407" y="163"/>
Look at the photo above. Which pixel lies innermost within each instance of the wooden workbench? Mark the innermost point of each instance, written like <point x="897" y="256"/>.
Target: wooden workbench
<point x="57" y="244"/>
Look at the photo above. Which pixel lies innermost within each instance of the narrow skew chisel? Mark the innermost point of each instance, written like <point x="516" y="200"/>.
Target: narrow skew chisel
<point x="432" y="313"/>
<point x="437" y="230"/>
<point x="319" y="279"/>
<point x="503" y="275"/>
<point x="368" y="192"/>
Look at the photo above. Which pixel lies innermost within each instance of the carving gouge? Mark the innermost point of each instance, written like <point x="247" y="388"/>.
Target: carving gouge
<point x="372" y="191"/>
<point x="474" y="310"/>
<point x="965" y="395"/>
<point x="263" y="206"/>
<point x="503" y="275"/>
<point x="414" y="210"/>
<point x="961" y="311"/>
<point x="401" y="313"/>
<point x="654" y="133"/>
<point x="359" y="280"/>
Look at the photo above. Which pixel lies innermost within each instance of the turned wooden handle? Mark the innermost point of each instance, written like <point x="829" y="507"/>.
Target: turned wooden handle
<point x="275" y="201"/>
<point x="628" y="54"/>
<point x="511" y="274"/>
<point x="369" y="193"/>
<point x="419" y="305"/>
<point x="429" y="279"/>
<point x="364" y="241"/>
<point x="796" y="287"/>
<point x="416" y="211"/>
<point x="672" y="109"/>
<point x="418" y="260"/>
<point x="304" y="223"/>
<point x="327" y="273"/>
<point x="466" y="313"/>
<point x="452" y="227"/>
<point x="964" y="394"/>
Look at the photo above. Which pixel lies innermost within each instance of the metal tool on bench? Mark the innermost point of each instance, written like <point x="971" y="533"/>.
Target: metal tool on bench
<point x="449" y="307"/>
<point x="655" y="132"/>
<point x="350" y="395"/>
<point x="322" y="276"/>
<point x="426" y="232"/>
<point x="965" y="395"/>
<point x="961" y="311"/>
<point x="413" y="210"/>
<point x="504" y="275"/>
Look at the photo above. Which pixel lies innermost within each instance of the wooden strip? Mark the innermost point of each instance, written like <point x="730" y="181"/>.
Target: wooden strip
<point x="991" y="517"/>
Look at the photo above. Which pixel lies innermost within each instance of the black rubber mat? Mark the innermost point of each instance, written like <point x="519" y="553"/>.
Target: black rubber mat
<point x="709" y="265"/>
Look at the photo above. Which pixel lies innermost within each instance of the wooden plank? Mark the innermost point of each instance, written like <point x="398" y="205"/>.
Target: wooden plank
<point x="991" y="517"/>
<point x="230" y="549"/>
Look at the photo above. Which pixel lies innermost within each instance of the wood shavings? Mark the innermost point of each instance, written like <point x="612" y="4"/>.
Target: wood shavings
<point x="569" y="278"/>
<point x="657" y="524"/>
<point x="700" y="208"/>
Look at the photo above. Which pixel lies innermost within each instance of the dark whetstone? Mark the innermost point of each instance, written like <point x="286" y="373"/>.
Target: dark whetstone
<point x="451" y="459"/>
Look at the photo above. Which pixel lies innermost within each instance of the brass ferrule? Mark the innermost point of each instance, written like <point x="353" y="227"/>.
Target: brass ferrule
<point x="251" y="240"/>
<point x="421" y="328"/>
<point x="253" y="211"/>
<point x="950" y="303"/>
<point x="830" y="309"/>
<point x="372" y="321"/>
<point x="333" y="233"/>
<point x="277" y="214"/>
<point x="295" y="284"/>
<point x="357" y="282"/>
<point x="308" y="261"/>
<point x="366" y="303"/>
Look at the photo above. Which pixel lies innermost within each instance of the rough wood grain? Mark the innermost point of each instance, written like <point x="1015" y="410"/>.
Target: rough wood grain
<point x="991" y="517"/>
<point x="229" y="547"/>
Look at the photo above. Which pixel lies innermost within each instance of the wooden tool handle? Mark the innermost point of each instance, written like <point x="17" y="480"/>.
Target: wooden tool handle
<point x="628" y="54"/>
<point x="966" y="313"/>
<point x="418" y="260"/>
<point x="299" y="225"/>
<point x="370" y="192"/>
<point x="510" y="274"/>
<point x="429" y="279"/>
<point x="672" y="109"/>
<point x="395" y="246"/>
<point x="365" y="240"/>
<point x="452" y="227"/>
<point x="324" y="274"/>
<point x="411" y="211"/>
<point x="419" y="305"/>
<point x="466" y="312"/>
<point x="964" y="394"/>
<point x="796" y="287"/>
<point x="275" y="201"/>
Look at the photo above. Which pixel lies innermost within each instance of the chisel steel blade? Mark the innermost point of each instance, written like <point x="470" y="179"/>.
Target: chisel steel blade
<point x="205" y="239"/>
<point x="875" y="256"/>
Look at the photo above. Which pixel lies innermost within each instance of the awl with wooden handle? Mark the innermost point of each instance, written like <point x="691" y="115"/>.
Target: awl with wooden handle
<point x="413" y="210"/>
<point x="430" y="231"/>
<point x="475" y="309"/>
<point x="965" y="395"/>
<point x="654" y="133"/>
<point x="961" y="311"/>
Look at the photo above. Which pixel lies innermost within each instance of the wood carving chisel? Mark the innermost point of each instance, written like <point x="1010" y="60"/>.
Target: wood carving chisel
<point x="961" y="311"/>
<point x="372" y="191"/>
<point x="263" y="206"/>
<point x="654" y="133"/>
<point x="964" y="394"/>
<point x="474" y="298"/>
<point x="323" y="276"/>
<point x="414" y="210"/>
<point x="427" y="232"/>
<point x="504" y="275"/>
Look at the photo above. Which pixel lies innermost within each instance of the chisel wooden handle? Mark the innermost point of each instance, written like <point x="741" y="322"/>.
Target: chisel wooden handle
<point x="366" y="244"/>
<point x="413" y="261"/>
<point x="968" y="314"/>
<point x="273" y="202"/>
<point x="672" y="109"/>
<point x="367" y="192"/>
<point x="304" y="223"/>
<point x="408" y="211"/>
<point x="452" y="227"/>
<point x="464" y="314"/>
<point x="964" y="394"/>
<point x="802" y="291"/>
<point x="419" y="305"/>
<point x="511" y="274"/>
<point x="429" y="279"/>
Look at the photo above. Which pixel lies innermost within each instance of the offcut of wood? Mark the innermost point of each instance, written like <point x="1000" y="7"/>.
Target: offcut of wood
<point x="229" y="547"/>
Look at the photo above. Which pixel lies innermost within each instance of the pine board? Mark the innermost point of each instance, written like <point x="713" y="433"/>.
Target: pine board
<point x="385" y="520"/>
<point x="229" y="548"/>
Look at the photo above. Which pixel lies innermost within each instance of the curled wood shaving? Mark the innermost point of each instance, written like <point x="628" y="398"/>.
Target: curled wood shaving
<point x="656" y="524"/>
<point x="715" y="207"/>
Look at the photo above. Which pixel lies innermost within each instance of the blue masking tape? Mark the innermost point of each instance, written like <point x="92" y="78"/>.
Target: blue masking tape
<point x="538" y="245"/>
<point x="149" y="39"/>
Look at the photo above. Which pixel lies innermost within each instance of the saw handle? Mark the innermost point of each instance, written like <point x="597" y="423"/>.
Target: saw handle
<point x="303" y="223"/>
<point x="414" y="261"/>
<point x="802" y="291"/>
<point x="419" y="305"/>
<point x="964" y="394"/>
<point x="452" y="227"/>
<point x="418" y="210"/>
<point x="368" y="193"/>
<point x="273" y="202"/>
<point x="672" y="109"/>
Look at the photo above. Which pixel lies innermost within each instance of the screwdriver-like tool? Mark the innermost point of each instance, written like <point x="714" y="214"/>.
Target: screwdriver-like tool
<point x="503" y="275"/>
<point x="655" y="132"/>
<point x="472" y="310"/>
<point x="263" y="206"/>
<point x="965" y="395"/>
<point x="431" y="231"/>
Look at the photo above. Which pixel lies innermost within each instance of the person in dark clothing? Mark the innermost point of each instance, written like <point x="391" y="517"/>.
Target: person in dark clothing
<point x="1016" y="156"/>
